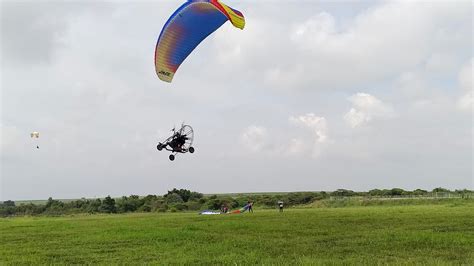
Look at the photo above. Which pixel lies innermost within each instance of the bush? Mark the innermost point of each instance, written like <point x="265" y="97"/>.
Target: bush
<point x="145" y="208"/>
<point x="94" y="205"/>
<point x="180" y="207"/>
<point x="129" y="204"/>
<point x="108" y="205"/>
<point x="343" y="193"/>
<point x="299" y="198"/>
<point x="194" y="205"/>
<point x="173" y="198"/>
<point x="182" y="199"/>
<point x="185" y="194"/>
<point x="216" y="204"/>
<point x="7" y="203"/>
<point x="7" y="211"/>
<point x="158" y="204"/>
<point x="440" y="189"/>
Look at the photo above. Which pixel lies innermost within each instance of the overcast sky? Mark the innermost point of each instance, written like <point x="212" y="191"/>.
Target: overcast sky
<point x="309" y="96"/>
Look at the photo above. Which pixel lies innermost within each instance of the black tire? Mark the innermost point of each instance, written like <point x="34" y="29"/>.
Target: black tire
<point x="159" y="147"/>
<point x="171" y="157"/>
<point x="191" y="149"/>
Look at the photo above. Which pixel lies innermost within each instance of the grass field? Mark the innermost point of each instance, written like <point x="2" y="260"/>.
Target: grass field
<point x="421" y="234"/>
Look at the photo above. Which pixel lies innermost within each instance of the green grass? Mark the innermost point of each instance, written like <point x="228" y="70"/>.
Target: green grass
<point x="422" y="234"/>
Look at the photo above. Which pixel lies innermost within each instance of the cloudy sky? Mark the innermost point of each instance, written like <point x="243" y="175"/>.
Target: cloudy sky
<point x="309" y="96"/>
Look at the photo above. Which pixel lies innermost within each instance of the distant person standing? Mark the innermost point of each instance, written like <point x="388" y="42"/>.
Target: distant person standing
<point x="249" y="204"/>
<point x="280" y="206"/>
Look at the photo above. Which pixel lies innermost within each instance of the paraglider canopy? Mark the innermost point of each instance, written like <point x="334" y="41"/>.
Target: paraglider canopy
<point x="35" y="135"/>
<point x="188" y="26"/>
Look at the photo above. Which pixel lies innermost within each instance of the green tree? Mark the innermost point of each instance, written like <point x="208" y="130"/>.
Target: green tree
<point x="93" y="206"/>
<point x="375" y="192"/>
<point x="397" y="191"/>
<point x="440" y="189"/>
<point x="150" y="198"/>
<point x="420" y="192"/>
<point x="343" y="193"/>
<point x="9" y="203"/>
<point x="195" y="195"/>
<point x="108" y="205"/>
<point x="194" y="205"/>
<point x="173" y="198"/>
<point x="51" y="202"/>
<point x="129" y="204"/>
<point x="185" y="194"/>
<point x="145" y="208"/>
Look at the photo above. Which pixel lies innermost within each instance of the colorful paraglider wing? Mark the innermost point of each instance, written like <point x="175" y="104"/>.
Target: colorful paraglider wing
<point x="234" y="15"/>
<point x="189" y="25"/>
<point x="241" y="210"/>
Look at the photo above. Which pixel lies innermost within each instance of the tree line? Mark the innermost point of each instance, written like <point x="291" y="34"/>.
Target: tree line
<point x="177" y="200"/>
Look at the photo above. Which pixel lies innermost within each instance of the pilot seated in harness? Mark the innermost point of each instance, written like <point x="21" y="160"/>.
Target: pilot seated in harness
<point x="178" y="141"/>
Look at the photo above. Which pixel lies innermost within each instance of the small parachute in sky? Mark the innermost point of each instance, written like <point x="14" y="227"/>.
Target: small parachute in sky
<point x="35" y="135"/>
<point x="188" y="26"/>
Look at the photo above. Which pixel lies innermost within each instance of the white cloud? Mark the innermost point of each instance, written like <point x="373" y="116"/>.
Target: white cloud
<point x="314" y="31"/>
<point x="10" y="138"/>
<point x="315" y="123"/>
<point x="440" y="63"/>
<point x="412" y="85"/>
<point x="465" y="76"/>
<point x="297" y="146"/>
<point x="254" y="138"/>
<point x="285" y="77"/>
<point x="466" y="102"/>
<point x="232" y="46"/>
<point x="365" y="109"/>
<point x="311" y="140"/>
<point x="378" y="43"/>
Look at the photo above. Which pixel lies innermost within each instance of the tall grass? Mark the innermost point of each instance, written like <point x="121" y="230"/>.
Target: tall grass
<point x="416" y="234"/>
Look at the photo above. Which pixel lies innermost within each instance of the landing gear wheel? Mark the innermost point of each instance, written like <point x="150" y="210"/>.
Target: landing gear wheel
<point x="171" y="157"/>
<point x="159" y="147"/>
<point x="191" y="149"/>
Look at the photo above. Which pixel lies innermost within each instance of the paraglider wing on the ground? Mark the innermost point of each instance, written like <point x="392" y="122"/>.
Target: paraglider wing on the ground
<point x="207" y="212"/>
<point x="188" y="26"/>
<point x="243" y="209"/>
